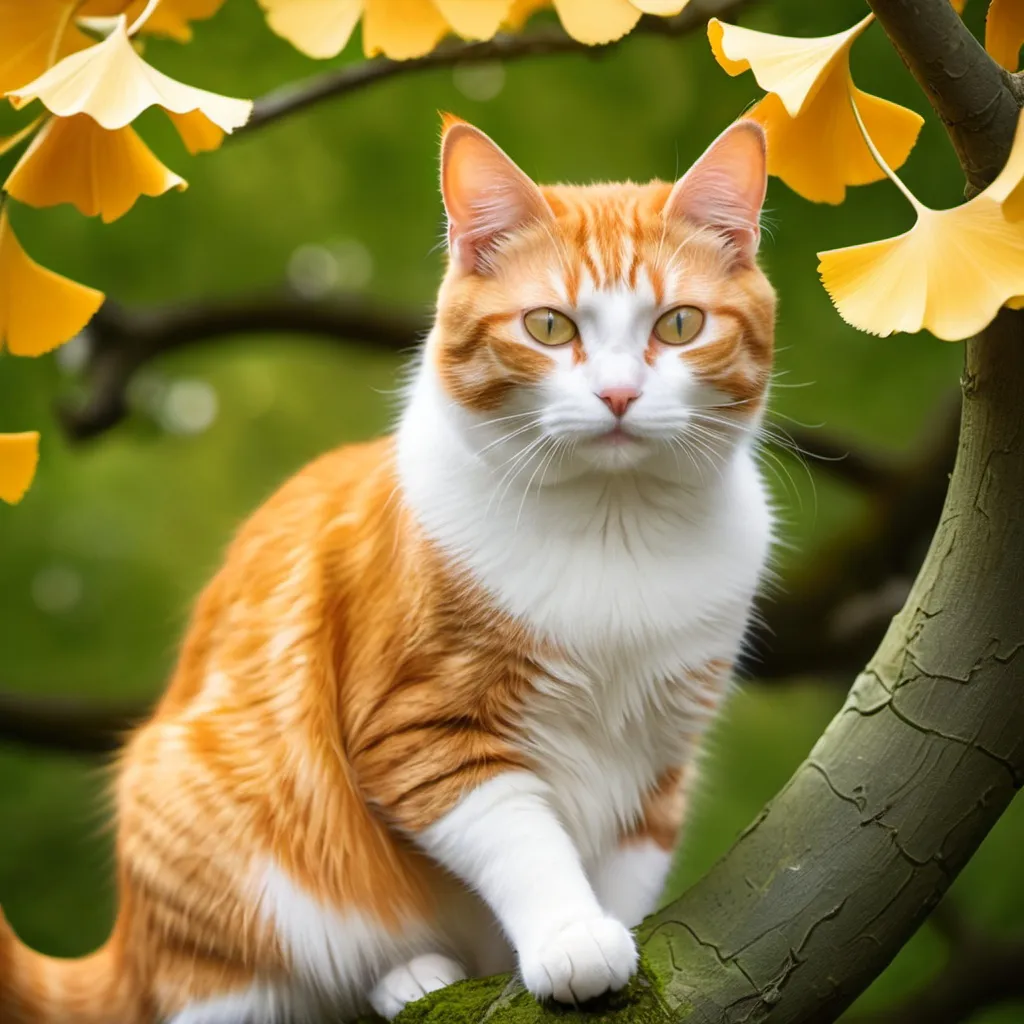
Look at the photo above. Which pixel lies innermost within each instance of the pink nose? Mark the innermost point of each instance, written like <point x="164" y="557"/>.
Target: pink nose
<point x="619" y="399"/>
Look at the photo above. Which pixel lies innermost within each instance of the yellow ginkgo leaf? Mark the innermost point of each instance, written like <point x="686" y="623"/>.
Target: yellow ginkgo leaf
<point x="401" y="29"/>
<point x="35" y="34"/>
<point x="198" y="134"/>
<point x="19" y="456"/>
<point x="814" y="144"/>
<point x="39" y="310"/>
<point x="1004" y="32"/>
<point x="170" y="18"/>
<point x="474" y="19"/>
<point x="662" y="8"/>
<point x="319" y="28"/>
<point x="958" y="5"/>
<point x="74" y="160"/>
<point x="597" y="21"/>
<point x="821" y="152"/>
<point x="113" y="85"/>
<point x="949" y="273"/>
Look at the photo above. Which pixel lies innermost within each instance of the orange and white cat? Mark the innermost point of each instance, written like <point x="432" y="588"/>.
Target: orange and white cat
<point x="436" y="714"/>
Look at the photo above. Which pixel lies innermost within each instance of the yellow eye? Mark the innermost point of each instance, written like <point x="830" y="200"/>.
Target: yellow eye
<point x="679" y="326"/>
<point x="549" y="327"/>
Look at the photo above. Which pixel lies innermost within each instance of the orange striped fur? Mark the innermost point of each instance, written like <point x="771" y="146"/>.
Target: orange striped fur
<point x="352" y="675"/>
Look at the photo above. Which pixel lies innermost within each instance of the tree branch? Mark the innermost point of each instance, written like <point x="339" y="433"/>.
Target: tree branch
<point x="121" y="341"/>
<point x="67" y="724"/>
<point x="291" y="99"/>
<point x="978" y="101"/>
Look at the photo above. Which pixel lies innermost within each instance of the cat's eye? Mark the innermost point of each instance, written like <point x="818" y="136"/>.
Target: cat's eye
<point x="549" y="327"/>
<point x="679" y="326"/>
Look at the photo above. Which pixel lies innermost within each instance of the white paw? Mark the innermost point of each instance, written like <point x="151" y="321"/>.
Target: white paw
<point x="580" y="961"/>
<point x="412" y="981"/>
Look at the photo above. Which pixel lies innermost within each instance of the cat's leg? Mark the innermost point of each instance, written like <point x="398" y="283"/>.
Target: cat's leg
<point x="256" y="1005"/>
<point x="505" y="841"/>
<point x="413" y="980"/>
<point x="630" y="879"/>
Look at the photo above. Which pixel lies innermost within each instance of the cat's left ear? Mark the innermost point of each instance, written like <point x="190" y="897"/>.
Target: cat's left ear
<point x="485" y="194"/>
<point x="725" y="188"/>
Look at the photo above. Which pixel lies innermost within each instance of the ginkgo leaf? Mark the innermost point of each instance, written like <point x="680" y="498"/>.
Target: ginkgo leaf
<point x="474" y="19"/>
<point x="663" y="8"/>
<point x="112" y="84"/>
<point x="319" y="28"/>
<point x="949" y="273"/>
<point x="401" y="29"/>
<point x="35" y="34"/>
<point x="169" y="18"/>
<point x="74" y="160"/>
<point x="19" y="456"/>
<point x="814" y="144"/>
<point x="39" y="310"/>
<point x="820" y="152"/>
<point x="199" y="134"/>
<point x="1004" y="32"/>
<point x="597" y="21"/>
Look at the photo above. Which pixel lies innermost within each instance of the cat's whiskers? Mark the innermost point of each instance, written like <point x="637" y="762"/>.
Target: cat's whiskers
<point x="502" y="419"/>
<point x="517" y="460"/>
<point x="529" y="483"/>
<point x="508" y="437"/>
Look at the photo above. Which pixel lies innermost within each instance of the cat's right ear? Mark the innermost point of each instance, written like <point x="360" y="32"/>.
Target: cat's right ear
<point x="486" y="196"/>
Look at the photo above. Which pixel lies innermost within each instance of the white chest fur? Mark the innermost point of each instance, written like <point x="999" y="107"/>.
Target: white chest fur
<point x="639" y="581"/>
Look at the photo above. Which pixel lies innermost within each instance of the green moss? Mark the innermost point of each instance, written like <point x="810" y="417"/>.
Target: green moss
<point x="503" y="1000"/>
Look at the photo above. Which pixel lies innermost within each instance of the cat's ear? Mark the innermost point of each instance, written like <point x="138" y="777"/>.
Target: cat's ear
<point x="486" y="195"/>
<point x="725" y="188"/>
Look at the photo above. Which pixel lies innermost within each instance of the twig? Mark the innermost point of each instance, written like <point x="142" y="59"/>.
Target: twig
<point x="66" y="724"/>
<point x="298" y="96"/>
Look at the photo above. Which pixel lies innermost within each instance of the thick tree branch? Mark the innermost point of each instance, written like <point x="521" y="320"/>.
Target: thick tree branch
<point x="977" y="99"/>
<point x="291" y="99"/>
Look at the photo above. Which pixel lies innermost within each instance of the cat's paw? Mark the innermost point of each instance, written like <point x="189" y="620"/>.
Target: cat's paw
<point x="412" y="981"/>
<point x="580" y="961"/>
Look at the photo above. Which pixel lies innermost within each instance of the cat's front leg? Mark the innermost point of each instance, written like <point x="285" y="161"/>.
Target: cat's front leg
<point x="630" y="879"/>
<point x="504" y="840"/>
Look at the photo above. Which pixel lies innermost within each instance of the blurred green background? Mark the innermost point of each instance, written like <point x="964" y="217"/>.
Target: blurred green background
<point x="100" y="562"/>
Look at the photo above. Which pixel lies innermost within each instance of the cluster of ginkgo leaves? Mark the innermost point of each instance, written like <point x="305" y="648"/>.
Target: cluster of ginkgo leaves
<point x="81" y="61"/>
<point x="953" y="270"/>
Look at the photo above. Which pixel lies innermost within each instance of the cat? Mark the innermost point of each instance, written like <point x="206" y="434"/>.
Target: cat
<point x="437" y="715"/>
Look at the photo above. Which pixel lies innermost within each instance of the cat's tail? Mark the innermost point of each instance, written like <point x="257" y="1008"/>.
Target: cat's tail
<point x="37" y="989"/>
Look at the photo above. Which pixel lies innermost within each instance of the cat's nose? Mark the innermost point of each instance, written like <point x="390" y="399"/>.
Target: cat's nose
<point x="619" y="399"/>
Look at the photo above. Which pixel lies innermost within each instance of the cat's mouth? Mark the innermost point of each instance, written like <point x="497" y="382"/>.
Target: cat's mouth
<point x="618" y="435"/>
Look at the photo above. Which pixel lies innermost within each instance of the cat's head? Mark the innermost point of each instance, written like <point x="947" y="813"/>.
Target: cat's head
<point x="620" y="326"/>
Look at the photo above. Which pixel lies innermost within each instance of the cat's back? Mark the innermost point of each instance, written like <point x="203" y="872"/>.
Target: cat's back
<point x="280" y="576"/>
